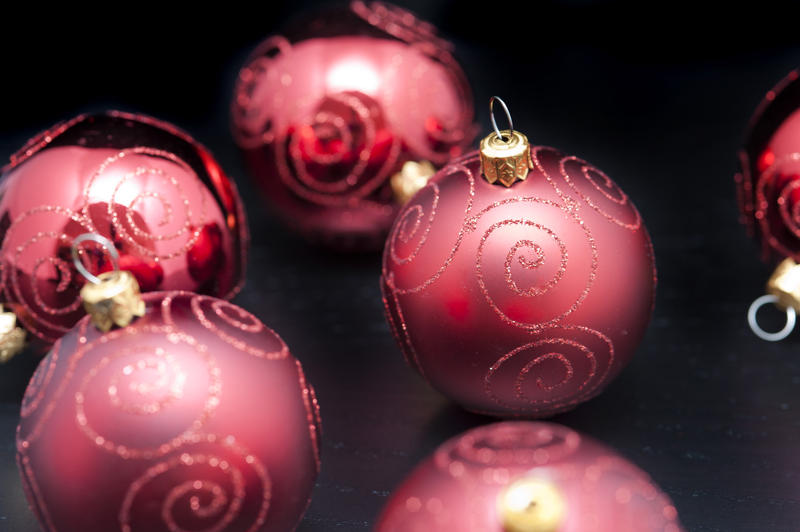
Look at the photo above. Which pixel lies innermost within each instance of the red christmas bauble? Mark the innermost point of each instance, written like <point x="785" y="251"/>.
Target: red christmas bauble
<point x="520" y="301"/>
<point x="174" y="216"/>
<point x="769" y="182"/>
<point x="194" y="417"/>
<point x="326" y="114"/>
<point x="525" y="476"/>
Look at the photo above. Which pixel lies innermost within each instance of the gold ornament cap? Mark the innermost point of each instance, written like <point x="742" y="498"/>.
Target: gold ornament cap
<point x="12" y="338"/>
<point x="112" y="298"/>
<point x="784" y="283"/>
<point x="531" y="505"/>
<point x="412" y="177"/>
<point x="505" y="155"/>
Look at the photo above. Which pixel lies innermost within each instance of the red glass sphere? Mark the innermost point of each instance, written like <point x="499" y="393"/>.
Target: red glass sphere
<point x="194" y="417"/>
<point x="466" y="482"/>
<point x="174" y="216"/>
<point x="326" y="114"/>
<point x="768" y="185"/>
<point x="520" y="301"/>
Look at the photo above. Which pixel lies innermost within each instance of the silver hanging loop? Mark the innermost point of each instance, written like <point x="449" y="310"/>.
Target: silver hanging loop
<point x="752" y="319"/>
<point x="494" y="122"/>
<point x="103" y="241"/>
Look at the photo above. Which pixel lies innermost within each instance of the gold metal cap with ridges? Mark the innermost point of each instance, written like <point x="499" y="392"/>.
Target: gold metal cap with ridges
<point x="112" y="298"/>
<point x="12" y="338"/>
<point x="531" y="504"/>
<point x="505" y="155"/>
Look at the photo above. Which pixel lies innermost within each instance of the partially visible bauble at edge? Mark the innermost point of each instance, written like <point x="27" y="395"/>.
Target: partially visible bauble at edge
<point x="329" y="111"/>
<point x="174" y="216"/>
<point x="522" y="301"/>
<point x="519" y="476"/>
<point x="768" y="184"/>
<point x="195" y="417"/>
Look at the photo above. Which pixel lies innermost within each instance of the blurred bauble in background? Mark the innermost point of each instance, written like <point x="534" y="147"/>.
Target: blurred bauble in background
<point x="329" y="112"/>
<point x="174" y="216"/>
<point x="768" y="185"/>
<point x="194" y="417"/>
<point x="523" y="300"/>
<point x="527" y="477"/>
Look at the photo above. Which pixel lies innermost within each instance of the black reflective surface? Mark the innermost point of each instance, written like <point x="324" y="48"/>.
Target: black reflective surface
<point x="710" y="411"/>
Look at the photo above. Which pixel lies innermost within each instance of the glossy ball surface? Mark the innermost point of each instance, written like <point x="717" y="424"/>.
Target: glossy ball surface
<point x="174" y="216"/>
<point x="768" y="185"/>
<point x="459" y="487"/>
<point x="521" y="301"/>
<point x="194" y="418"/>
<point x="327" y="113"/>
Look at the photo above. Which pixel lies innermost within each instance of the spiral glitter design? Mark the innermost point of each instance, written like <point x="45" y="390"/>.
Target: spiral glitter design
<point x="253" y="126"/>
<point x="567" y="364"/>
<point x="511" y="446"/>
<point x="48" y="314"/>
<point x="411" y="232"/>
<point x="354" y="112"/>
<point x="184" y="223"/>
<point x="209" y="486"/>
<point x="142" y="382"/>
<point x="39" y="384"/>
<point x="573" y="178"/>
<point x="777" y="210"/>
<point x="414" y="224"/>
<point x="227" y="322"/>
<point x="526" y="298"/>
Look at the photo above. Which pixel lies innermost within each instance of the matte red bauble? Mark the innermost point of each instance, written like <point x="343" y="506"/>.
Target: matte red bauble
<point x="769" y="183"/>
<point x="172" y="213"/>
<point x="327" y="113"/>
<point x="195" y="417"/>
<point x="527" y="477"/>
<point x="523" y="300"/>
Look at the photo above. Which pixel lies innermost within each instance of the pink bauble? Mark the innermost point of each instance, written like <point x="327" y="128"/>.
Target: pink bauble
<point x="769" y="182"/>
<point x="326" y="114"/>
<point x="174" y="216"/>
<point x="458" y="488"/>
<point x="520" y="301"/>
<point x="195" y="417"/>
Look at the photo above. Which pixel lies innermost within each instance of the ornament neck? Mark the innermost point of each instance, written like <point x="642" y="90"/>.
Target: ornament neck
<point x="505" y="155"/>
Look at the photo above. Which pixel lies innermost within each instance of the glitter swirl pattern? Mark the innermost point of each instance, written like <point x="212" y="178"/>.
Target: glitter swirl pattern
<point x="213" y="493"/>
<point x="178" y="411"/>
<point x="509" y="291"/>
<point x="584" y="355"/>
<point x="777" y="212"/>
<point x="138" y="185"/>
<point x="141" y="382"/>
<point x="173" y="216"/>
<point x="511" y="446"/>
<point x="324" y="121"/>
<point x="575" y="178"/>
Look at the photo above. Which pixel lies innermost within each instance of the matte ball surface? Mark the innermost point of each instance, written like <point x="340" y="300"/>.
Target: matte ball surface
<point x="327" y="113"/>
<point x="520" y="301"/>
<point x="194" y="418"/>
<point x="463" y="486"/>
<point x="769" y="182"/>
<point x="174" y="216"/>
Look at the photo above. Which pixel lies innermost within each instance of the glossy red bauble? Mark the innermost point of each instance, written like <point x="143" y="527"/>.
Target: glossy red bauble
<point x="159" y="196"/>
<point x="769" y="182"/>
<point x="465" y="486"/>
<point x="327" y="113"/>
<point x="520" y="301"/>
<point x="194" y="417"/>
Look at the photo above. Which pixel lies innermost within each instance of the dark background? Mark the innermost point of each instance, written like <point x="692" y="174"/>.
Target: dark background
<point x="656" y="94"/>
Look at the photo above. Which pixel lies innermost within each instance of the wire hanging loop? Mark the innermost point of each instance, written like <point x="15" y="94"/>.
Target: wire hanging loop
<point x="494" y="122"/>
<point x="752" y="319"/>
<point x="103" y="241"/>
